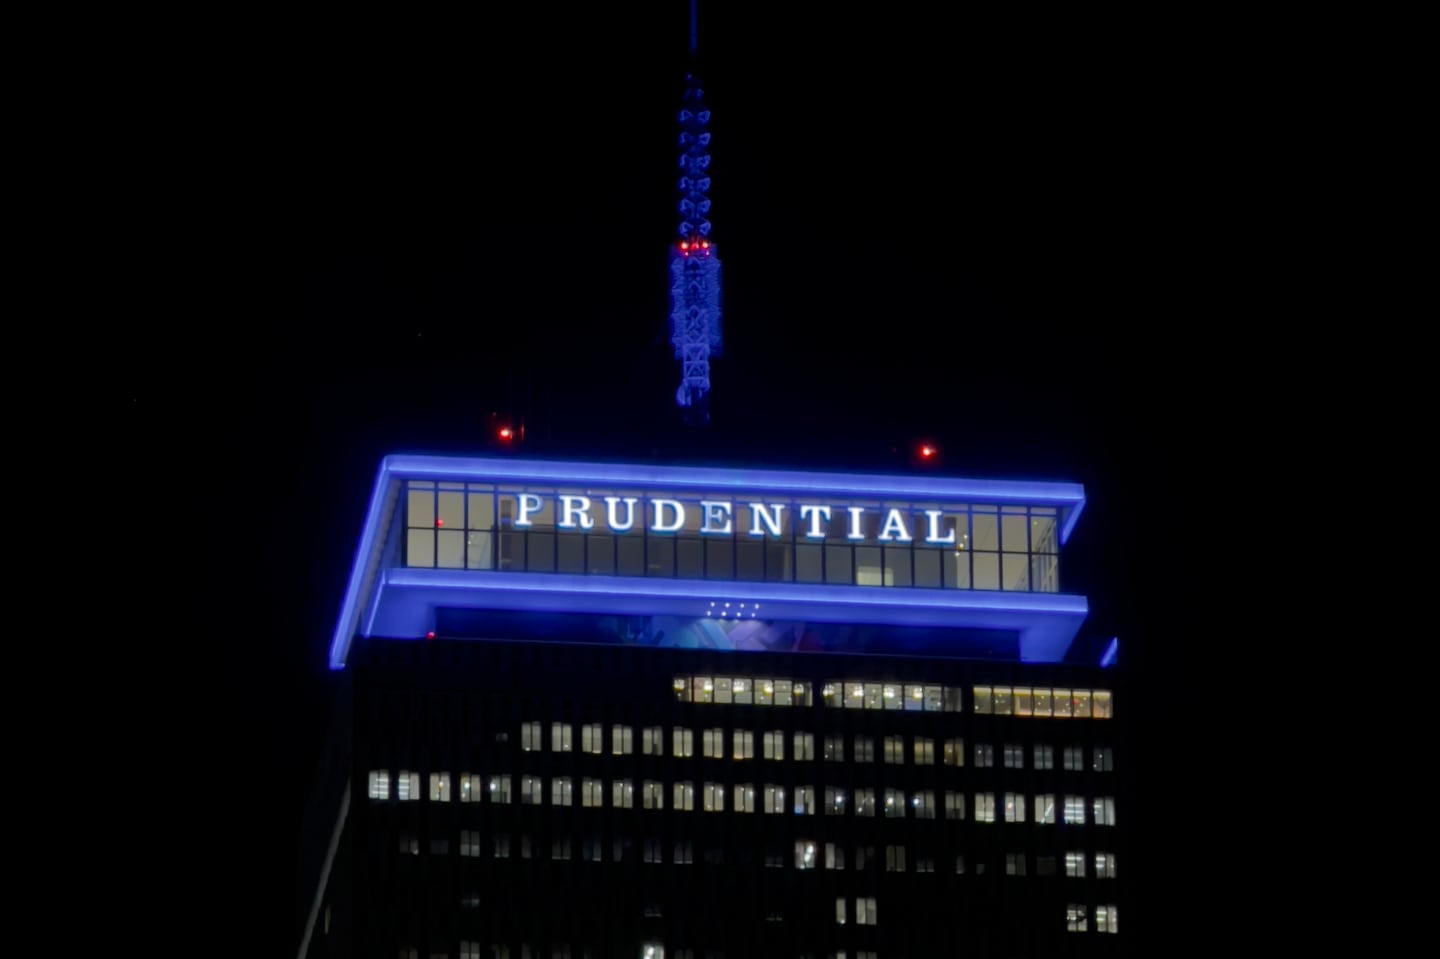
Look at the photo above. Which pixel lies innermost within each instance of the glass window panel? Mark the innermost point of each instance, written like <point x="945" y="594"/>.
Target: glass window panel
<point x="704" y="689"/>
<point x="630" y="555"/>
<point x="451" y="510"/>
<point x="984" y="531"/>
<point x="927" y="567"/>
<point x="1024" y="701"/>
<point x="1013" y="535"/>
<point x="1101" y="700"/>
<point x="479" y="550"/>
<point x="420" y="547"/>
<point x="897" y="566"/>
<point x="1062" y="702"/>
<point x="1044" y="573"/>
<point x="839" y="566"/>
<point x="891" y="695"/>
<point x="914" y="699"/>
<point x="420" y="505"/>
<point x="744" y="691"/>
<point x="874" y="696"/>
<point x="868" y="571"/>
<point x="1015" y="572"/>
<point x="570" y="549"/>
<point x="854" y="695"/>
<point x="784" y="692"/>
<point x="1082" y="703"/>
<point x="660" y="556"/>
<point x="984" y="699"/>
<point x="600" y="554"/>
<point x="541" y="548"/>
<point x="1042" y="534"/>
<point x="689" y="558"/>
<point x="955" y="565"/>
<point x="749" y="560"/>
<point x="480" y="511"/>
<point x="719" y="559"/>
<point x="807" y="564"/>
<point x="722" y="689"/>
<point x="778" y="565"/>
<point x="450" y="548"/>
<point x="986" y="570"/>
<point x="1002" y="701"/>
<point x="764" y="692"/>
<point x="1042" y="702"/>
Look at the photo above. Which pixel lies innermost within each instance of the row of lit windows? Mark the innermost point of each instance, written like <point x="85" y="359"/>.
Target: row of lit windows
<point x="1106" y="918"/>
<point x="902" y="697"/>
<point x="802" y="746"/>
<point x="745" y="797"/>
<point x="1030" y="701"/>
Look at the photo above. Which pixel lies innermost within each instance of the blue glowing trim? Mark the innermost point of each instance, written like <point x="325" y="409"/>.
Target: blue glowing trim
<point x="1071" y="516"/>
<point x="349" y="609"/>
<point x="1112" y="654"/>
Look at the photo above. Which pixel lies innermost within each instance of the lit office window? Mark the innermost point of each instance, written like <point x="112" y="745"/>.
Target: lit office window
<point x="592" y="793"/>
<point x="840" y="912"/>
<point x="954" y="805"/>
<point x="500" y="846"/>
<point x="712" y="743"/>
<point x="682" y="689"/>
<point x="804" y="801"/>
<point x="470" y="950"/>
<point x="530" y="737"/>
<point x="1104" y="810"/>
<point x="834" y="801"/>
<point x="560" y="738"/>
<point x="652" y="795"/>
<point x="407" y="786"/>
<point x="1107" y="919"/>
<point x="1075" y="918"/>
<point x="854" y="695"/>
<point x="1014" y="807"/>
<point x="1081" y="699"/>
<point x="592" y="738"/>
<point x="804" y="694"/>
<point x="923" y="804"/>
<point x="764" y="692"/>
<point x="500" y="789"/>
<point x="1044" y="702"/>
<point x="952" y="752"/>
<point x="865" y="912"/>
<point x="894" y="858"/>
<point x="774" y="798"/>
<point x="831" y="694"/>
<point x="469" y="842"/>
<point x="622" y="740"/>
<point x="892" y="696"/>
<point x="874" y="696"/>
<point x="1101" y="703"/>
<point x="745" y="797"/>
<point x="894" y="804"/>
<point x="1104" y="760"/>
<point x="561" y="791"/>
<point x="924" y="751"/>
<point x="1075" y="865"/>
<point x="1045" y="808"/>
<point x="703" y="689"/>
<point x="379" y="784"/>
<point x="1074" y="758"/>
<point x="864" y="802"/>
<point x="1014" y="756"/>
<point x="1002" y="701"/>
<point x="984" y="754"/>
<point x="682" y="741"/>
<point x="744" y="743"/>
<point x="684" y="796"/>
<point x="1024" y="701"/>
<point x="1104" y="865"/>
<point x="532" y="790"/>
<point x="470" y="790"/>
<point x="652" y="741"/>
<point x="1044" y="757"/>
<point x="834" y="856"/>
<point x="804" y="854"/>
<point x="713" y="797"/>
<point x="1064" y="704"/>
<point x="835" y="749"/>
<point x="1074" y="811"/>
<point x="744" y="691"/>
<point x="622" y="794"/>
<point x="723" y="693"/>
<point x="947" y="699"/>
<point x="804" y="746"/>
<point x="439" y="787"/>
<point x="984" y="699"/>
<point x="774" y="744"/>
<point x="984" y="807"/>
<point x="864" y="749"/>
<point x="1014" y="864"/>
<point x="894" y="749"/>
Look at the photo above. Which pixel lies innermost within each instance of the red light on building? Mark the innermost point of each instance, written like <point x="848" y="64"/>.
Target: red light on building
<point x="927" y="451"/>
<point x="430" y="635"/>
<point x="506" y="433"/>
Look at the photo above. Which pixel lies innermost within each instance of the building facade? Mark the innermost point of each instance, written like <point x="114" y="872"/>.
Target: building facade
<point x="669" y="713"/>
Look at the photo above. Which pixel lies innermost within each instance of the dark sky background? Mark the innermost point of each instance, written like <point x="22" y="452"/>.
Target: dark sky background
<point x="932" y="225"/>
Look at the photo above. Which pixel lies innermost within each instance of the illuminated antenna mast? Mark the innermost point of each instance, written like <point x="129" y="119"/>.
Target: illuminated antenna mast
<point x="694" y="263"/>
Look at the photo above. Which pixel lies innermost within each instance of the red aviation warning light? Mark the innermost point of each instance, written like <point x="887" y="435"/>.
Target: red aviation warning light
<point x="927" y="454"/>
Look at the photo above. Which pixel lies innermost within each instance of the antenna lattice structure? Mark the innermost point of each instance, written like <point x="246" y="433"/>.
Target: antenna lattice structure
<point x="694" y="263"/>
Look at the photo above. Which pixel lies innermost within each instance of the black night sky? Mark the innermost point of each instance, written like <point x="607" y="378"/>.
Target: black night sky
<point x="931" y="226"/>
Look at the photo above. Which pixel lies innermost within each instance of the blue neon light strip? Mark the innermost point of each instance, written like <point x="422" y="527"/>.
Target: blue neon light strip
<point x="370" y="582"/>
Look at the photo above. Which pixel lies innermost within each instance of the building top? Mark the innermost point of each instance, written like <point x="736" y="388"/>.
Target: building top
<point x="708" y="548"/>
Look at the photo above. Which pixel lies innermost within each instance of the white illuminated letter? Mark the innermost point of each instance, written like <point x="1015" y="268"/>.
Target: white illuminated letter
<point x="610" y="503"/>
<point x="855" y="512"/>
<point x="658" y="526"/>
<point x="933" y="515"/>
<point x="816" y="514"/>
<point x="572" y="507"/>
<point x="758" y="512"/>
<point x="525" y="504"/>
<point x="714" y="511"/>
<point x="894" y="528"/>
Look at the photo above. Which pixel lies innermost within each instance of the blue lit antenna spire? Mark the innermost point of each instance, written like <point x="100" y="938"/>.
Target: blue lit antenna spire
<point x="694" y="263"/>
